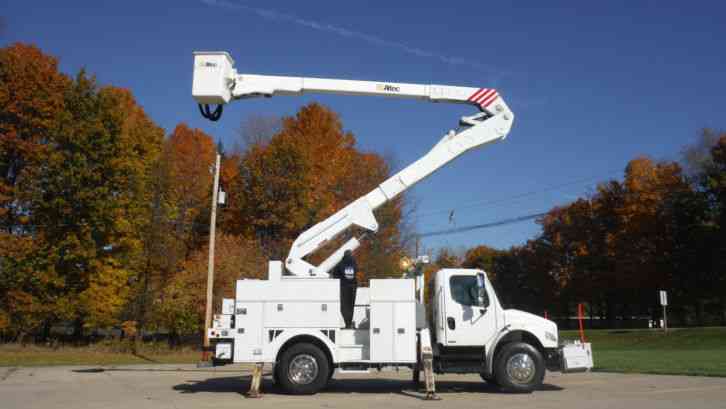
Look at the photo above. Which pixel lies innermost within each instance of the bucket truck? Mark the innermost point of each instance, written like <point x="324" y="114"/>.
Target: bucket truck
<point x="292" y="319"/>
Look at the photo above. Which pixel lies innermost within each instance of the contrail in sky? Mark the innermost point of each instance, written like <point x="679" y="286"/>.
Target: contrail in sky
<point x="274" y="15"/>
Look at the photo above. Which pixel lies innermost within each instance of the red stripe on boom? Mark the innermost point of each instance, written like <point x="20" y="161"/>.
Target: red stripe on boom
<point x="485" y="96"/>
<point x="491" y="99"/>
<point x="476" y="94"/>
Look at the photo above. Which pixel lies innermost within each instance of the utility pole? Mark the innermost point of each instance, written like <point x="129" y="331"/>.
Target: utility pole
<point x="210" y="266"/>
<point x="664" y="303"/>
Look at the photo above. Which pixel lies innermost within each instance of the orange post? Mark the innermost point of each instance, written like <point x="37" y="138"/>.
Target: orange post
<point x="580" y="317"/>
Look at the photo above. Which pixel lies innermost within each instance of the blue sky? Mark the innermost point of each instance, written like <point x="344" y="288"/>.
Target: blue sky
<point x="593" y="84"/>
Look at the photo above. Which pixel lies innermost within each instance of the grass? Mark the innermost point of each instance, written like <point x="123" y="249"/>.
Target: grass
<point x="103" y="353"/>
<point x="691" y="351"/>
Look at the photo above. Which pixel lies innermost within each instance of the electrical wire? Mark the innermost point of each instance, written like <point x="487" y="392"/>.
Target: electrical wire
<point x="497" y="223"/>
<point x="508" y="199"/>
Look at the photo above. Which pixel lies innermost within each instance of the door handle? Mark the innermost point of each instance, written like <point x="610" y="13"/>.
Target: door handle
<point x="451" y="322"/>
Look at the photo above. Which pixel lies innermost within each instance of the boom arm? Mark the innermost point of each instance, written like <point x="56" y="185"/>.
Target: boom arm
<point x="217" y="82"/>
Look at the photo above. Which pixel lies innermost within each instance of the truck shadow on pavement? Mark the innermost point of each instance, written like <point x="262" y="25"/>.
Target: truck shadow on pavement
<point x="241" y="384"/>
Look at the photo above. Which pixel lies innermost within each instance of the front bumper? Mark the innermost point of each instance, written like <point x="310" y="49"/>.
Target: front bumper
<point x="567" y="358"/>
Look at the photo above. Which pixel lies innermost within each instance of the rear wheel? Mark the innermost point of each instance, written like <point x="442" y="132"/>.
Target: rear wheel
<point x="519" y="367"/>
<point x="303" y="369"/>
<point x="417" y="366"/>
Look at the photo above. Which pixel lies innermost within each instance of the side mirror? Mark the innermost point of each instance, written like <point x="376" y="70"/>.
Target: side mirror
<point x="482" y="297"/>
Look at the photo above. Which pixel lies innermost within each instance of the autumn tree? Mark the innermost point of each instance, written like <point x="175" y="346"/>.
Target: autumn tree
<point x="307" y="171"/>
<point x="91" y="197"/>
<point x="713" y="182"/>
<point x="447" y="258"/>
<point x="181" y="305"/>
<point x="186" y="174"/>
<point x="31" y="100"/>
<point x="483" y="258"/>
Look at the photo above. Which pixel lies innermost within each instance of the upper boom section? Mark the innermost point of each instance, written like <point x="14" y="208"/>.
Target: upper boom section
<point x="217" y="82"/>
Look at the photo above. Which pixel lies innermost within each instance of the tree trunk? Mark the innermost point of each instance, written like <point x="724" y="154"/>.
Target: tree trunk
<point x="78" y="330"/>
<point x="610" y="309"/>
<point x="699" y="312"/>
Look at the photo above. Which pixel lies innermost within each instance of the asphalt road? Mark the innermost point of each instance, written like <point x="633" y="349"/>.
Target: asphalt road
<point x="184" y="386"/>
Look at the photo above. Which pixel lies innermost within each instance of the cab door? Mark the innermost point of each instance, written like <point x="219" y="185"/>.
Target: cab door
<point x="469" y="318"/>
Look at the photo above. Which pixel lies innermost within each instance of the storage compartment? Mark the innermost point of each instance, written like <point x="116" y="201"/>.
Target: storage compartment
<point x="310" y="314"/>
<point x="392" y="290"/>
<point x="248" y="332"/>
<point x="393" y="321"/>
<point x="404" y="335"/>
<point x="382" y="332"/>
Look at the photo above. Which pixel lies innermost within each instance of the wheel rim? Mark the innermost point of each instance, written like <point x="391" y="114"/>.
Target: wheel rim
<point x="521" y="368"/>
<point x="303" y="369"/>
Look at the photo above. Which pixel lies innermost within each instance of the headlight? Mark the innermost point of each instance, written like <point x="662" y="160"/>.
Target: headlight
<point x="550" y="336"/>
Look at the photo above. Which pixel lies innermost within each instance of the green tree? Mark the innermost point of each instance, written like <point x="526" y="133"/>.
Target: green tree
<point x="91" y="197"/>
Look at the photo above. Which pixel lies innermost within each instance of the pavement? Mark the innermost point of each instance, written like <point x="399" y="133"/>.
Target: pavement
<point x="185" y="386"/>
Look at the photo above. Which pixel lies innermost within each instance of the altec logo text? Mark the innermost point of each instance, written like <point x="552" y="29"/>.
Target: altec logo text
<point x="389" y="88"/>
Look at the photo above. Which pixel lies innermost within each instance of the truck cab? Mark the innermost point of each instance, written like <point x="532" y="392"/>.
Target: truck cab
<point x="473" y="333"/>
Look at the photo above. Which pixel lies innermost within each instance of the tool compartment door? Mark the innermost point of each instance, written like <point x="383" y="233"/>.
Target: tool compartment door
<point x="393" y="320"/>
<point x="247" y="332"/>
<point x="404" y="337"/>
<point x="382" y="332"/>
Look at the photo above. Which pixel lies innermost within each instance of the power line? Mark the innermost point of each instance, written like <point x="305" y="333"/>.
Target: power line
<point x="521" y="195"/>
<point x="464" y="229"/>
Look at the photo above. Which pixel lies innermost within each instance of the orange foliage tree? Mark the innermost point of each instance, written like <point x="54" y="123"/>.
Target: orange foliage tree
<point x="31" y="100"/>
<point x="303" y="174"/>
<point x="181" y="305"/>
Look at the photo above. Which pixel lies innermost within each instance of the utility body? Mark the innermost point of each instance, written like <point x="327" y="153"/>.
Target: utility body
<point x="292" y="319"/>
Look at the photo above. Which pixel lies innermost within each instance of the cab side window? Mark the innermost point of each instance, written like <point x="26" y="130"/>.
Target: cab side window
<point x="464" y="289"/>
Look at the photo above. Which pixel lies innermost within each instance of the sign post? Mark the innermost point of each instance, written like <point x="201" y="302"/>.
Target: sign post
<point x="664" y="304"/>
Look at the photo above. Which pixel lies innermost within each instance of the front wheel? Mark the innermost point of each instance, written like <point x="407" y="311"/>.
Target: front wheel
<point x="303" y="369"/>
<point x="488" y="378"/>
<point x="519" y="367"/>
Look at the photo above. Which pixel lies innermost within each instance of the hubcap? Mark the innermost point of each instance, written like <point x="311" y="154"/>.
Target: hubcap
<point x="520" y="368"/>
<point x="303" y="369"/>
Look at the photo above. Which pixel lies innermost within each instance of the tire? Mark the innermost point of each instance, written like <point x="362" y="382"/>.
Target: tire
<point x="417" y="366"/>
<point x="519" y="367"/>
<point x="303" y="369"/>
<point x="275" y="379"/>
<point x="489" y="379"/>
